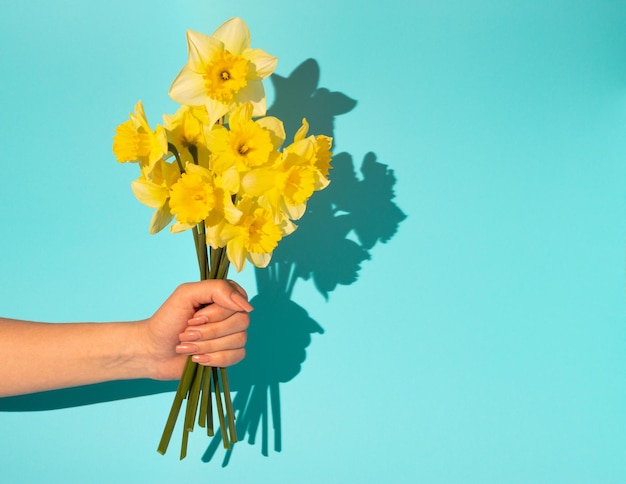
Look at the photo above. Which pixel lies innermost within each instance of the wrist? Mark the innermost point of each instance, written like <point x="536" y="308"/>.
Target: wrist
<point x="152" y="354"/>
<point x="133" y="359"/>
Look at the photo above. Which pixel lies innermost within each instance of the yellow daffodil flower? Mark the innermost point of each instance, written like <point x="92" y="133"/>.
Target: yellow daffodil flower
<point x="153" y="190"/>
<point x="298" y="184"/>
<point x="223" y="212"/>
<point x="222" y="71"/>
<point x="185" y="130"/>
<point x="323" y="144"/>
<point x="134" y="140"/>
<point x="289" y="182"/>
<point x="224" y="209"/>
<point x="254" y="237"/>
<point x="193" y="195"/>
<point x="245" y="144"/>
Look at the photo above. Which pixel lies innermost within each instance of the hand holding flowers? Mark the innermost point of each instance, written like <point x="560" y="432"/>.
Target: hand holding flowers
<point x="206" y="319"/>
<point x="218" y="167"/>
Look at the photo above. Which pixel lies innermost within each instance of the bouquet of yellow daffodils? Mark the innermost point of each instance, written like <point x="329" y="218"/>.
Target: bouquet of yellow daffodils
<point x="218" y="167"/>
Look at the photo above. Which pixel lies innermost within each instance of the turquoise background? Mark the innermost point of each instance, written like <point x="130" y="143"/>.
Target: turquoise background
<point x="463" y="316"/>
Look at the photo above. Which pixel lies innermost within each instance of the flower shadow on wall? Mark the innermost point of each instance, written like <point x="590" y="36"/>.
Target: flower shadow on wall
<point x="341" y="224"/>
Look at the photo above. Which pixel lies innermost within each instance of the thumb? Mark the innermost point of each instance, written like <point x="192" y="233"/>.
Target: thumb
<point x="218" y="291"/>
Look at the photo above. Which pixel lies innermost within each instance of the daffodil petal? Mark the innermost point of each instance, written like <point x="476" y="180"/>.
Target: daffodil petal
<point x="215" y="109"/>
<point x="276" y="128"/>
<point x="231" y="213"/>
<point x="201" y="48"/>
<point x="240" y="115"/>
<point x="304" y="148"/>
<point x="160" y="218"/>
<point x="263" y="64"/>
<point x="230" y="232"/>
<point x="179" y="227"/>
<point x="254" y="93"/>
<point x="200" y="170"/>
<point x="171" y="173"/>
<point x="188" y="88"/>
<point x="260" y="260"/>
<point x="214" y="134"/>
<point x="159" y="146"/>
<point x="138" y="117"/>
<point x="235" y="35"/>
<point x="321" y="181"/>
<point x="273" y="198"/>
<point x="288" y="227"/>
<point x="295" y="212"/>
<point x="236" y="251"/>
<point x="154" y="196"/>
<point x="259" y="181"/>
<point x="215" y="235"/>
<point x="302" y="131"/>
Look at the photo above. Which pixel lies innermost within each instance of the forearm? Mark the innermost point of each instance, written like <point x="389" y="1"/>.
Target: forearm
<point x="42" y="356"/>
<point x="209" y="318"/>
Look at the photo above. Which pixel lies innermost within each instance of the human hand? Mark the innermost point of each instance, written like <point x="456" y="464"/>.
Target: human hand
<point x="206" y="319"/>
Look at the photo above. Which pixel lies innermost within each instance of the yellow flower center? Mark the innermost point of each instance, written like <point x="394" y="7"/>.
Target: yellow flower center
<point x="247" y="145"/>
<point x="251" y="145"/>
<point x="263" y="233"/>
<point x="225" y="75"/>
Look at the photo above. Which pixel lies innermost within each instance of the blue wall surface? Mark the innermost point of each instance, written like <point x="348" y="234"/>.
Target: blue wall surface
<point x="461" y="319"/>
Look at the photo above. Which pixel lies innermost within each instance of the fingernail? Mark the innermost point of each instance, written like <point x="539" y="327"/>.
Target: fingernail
<point x="198" y="320"/>
<point x="241" y="301"/>
<point x="190" y="336"/>
<point x="186" y="348"/>
<point x="201" y="358"/>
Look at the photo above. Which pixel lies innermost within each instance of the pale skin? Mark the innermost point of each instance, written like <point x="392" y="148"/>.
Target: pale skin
<point x="206" y="319"/>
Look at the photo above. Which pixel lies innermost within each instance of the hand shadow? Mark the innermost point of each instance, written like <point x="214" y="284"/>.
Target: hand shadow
<point x="281" y="330"/>
<point x="333" y="238"/>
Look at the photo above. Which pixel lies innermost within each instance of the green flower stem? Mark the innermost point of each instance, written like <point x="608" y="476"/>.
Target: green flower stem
<point x="198" y="383"/>
<point x="199" y="237"/>
<point x="181" y="393"/>
<point x="222" y="270"/>
<point x="204" y="398"/>
<point x="229" y="406"/>
<point x="192" y="401"/>
<point x="172" y="149"/>
<point x="196" y="240"/>
<point x="183" y="446"/>
<point x="209" y="414"/>
<point x="220" y="409"/>
<point x="216" y="257"/>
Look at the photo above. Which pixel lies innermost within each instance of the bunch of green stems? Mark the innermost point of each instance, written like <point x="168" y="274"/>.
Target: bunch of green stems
<point x="200" y="384"/>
